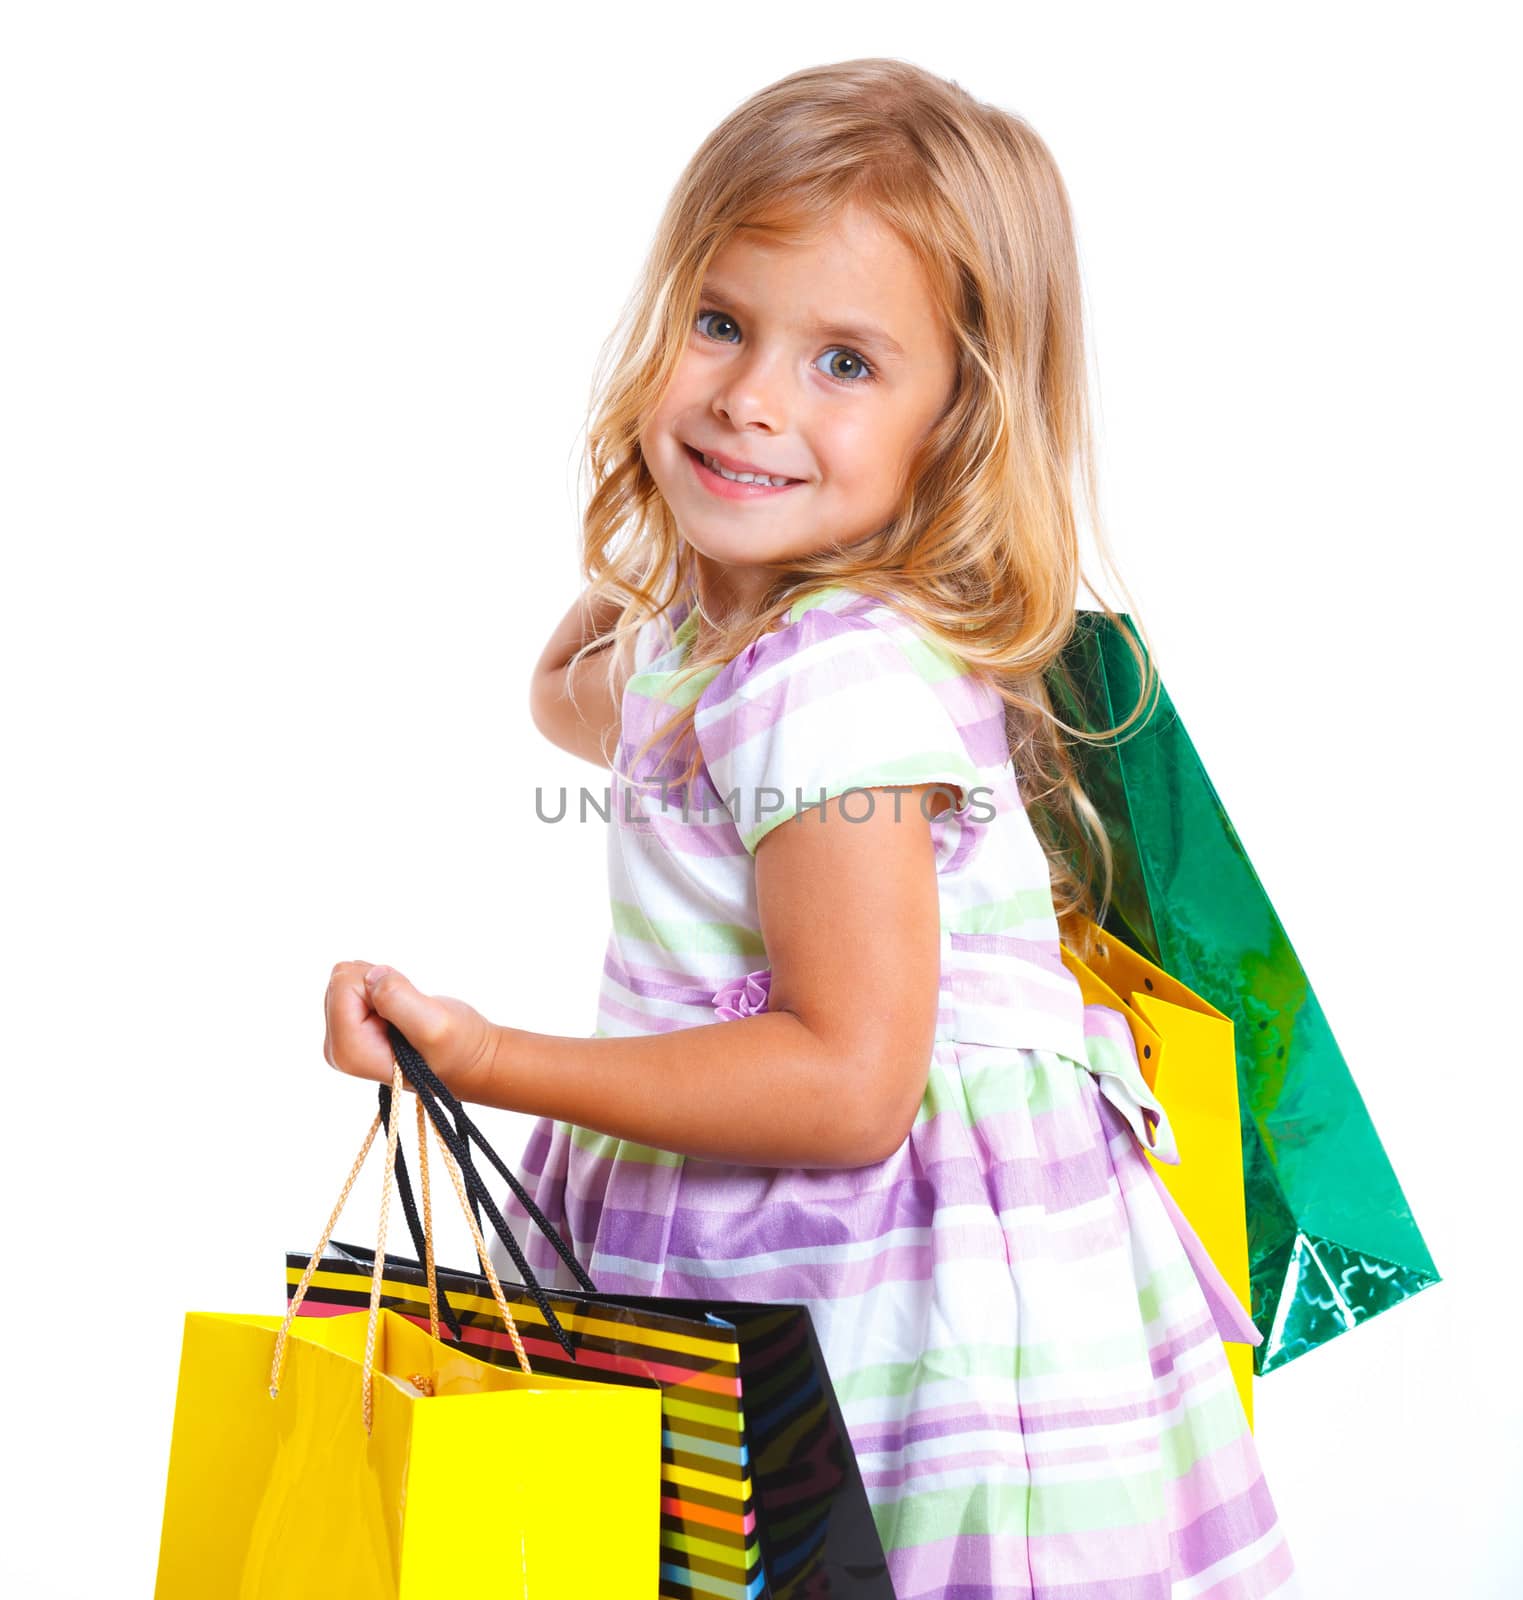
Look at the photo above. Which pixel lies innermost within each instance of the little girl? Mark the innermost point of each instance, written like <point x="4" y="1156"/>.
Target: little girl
<point x="839" y="1061"/>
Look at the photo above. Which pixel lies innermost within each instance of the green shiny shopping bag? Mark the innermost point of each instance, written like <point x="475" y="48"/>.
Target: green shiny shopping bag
<point x="1331" y="1239"/>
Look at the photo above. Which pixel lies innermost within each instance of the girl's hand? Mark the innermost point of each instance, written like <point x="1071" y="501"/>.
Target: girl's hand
<point x="452" y="1037"/>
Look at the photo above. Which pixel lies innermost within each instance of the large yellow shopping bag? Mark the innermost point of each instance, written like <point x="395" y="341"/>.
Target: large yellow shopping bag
<point x="1186" y="1050"/>
<point x="476" y="1479"/>
<point x="359" y="1457"/>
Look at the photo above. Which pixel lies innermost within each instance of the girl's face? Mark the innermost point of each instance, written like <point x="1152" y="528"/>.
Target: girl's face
<point x="822" y="362"/>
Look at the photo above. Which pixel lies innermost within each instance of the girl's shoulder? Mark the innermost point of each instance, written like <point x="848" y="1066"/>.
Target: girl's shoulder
<point x="838" y="632"/>
<point x="846" y="693"/>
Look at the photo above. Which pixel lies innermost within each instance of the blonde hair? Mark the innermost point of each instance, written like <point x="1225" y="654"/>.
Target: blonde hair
<point x="983" y="551"/>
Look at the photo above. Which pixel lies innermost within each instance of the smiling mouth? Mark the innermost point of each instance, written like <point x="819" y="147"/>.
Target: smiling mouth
<point x="748" y="480"/>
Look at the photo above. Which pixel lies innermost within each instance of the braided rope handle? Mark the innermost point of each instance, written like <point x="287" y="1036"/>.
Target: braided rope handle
<point x="393" y="1126"/>
<point x="428" y="1222"/>
<point x="367" y="1388"/>
<point x="322" y="1244"/>
<point x="417" y="1226"/>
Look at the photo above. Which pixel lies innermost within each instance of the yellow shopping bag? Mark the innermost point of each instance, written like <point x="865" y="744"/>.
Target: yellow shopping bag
<point x="477" y="1478"/>
<point x="1186" y="1051"/>
<point x="358" y="1457"/>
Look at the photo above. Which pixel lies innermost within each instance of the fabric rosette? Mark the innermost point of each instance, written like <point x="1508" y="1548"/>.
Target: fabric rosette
<point x="743" y="997"/>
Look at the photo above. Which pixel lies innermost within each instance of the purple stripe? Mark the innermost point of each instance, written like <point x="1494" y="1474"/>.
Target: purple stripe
<point x="1031" y="1420"/>
<point x="758" y="1224"/>
<point x="901" y="1477"/>
<point x="1038" y="952"/>
<point x="941" y="1423"/>
<point x="612" y="1010"/>
<point x="1191" y="1337"/>
<point x="1014" y="990"/>
<point x="820" y="1280"/>
<point x="640" y="716"/>
<point x="1075" y="1170"/>
<point x="983" y="735"/>
<point x="652" y="1218"/>
<point x="1004" y="1586"/>
<point x="634" y="974"/>
<point x="1049" y="1417"/>
<point x="1231" y="1469"/>
<point x="1059" y="1416"/>
<point x="1000" y="1567"/>
<point x="697" y="840"/>
<point x="647" y="1212"/>
<point x="718" y="840"/>
<point x="1223" y="1529"/>
<point x="763" y="708"/>
<point x="969" y="837"/>
<point x="654" y="983"/>
<point x="942" y="1149"/>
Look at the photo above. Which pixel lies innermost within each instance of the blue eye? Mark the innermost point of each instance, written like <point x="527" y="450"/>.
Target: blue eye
<point x="723" y="318"/>
<point x="862" y="373"/>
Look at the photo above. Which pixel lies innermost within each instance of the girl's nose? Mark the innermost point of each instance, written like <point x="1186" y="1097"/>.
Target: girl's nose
<point x="753" y="393"/>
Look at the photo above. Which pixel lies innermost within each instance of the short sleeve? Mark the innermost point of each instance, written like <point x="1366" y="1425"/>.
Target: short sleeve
<point x="823" y="705"/>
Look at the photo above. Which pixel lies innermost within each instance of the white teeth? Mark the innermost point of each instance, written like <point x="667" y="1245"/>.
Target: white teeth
<point x="743" y="477"/>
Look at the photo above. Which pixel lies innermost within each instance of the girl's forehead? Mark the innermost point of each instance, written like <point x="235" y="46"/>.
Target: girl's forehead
<point x="850" y="229"/>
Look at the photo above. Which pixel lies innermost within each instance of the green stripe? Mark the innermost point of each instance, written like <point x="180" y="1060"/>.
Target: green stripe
<point x="1204" y="1427"/>
<point x="1123" y="1500"/>
<point x="816" y="597"/>
<point x="993" y="1087"/>
<point x="668" y="689"/>
<point x="611" y="1149"/>
<point x="685" y="937"/>
<point x="1005" y="916"/>
<point x="930" y="659"/>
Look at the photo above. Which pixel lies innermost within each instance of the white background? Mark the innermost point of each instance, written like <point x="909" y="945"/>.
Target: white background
<point x="299" y="315"/>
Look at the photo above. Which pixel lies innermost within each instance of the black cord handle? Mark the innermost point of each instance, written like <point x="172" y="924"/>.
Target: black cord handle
<point x="417" y="1071"/>
<point x="435" y="1097"/>
<point x="477" y="1190"/>
<point x="410" y="1210"/>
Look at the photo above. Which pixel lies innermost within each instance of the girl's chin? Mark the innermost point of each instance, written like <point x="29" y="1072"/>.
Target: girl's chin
<point x="733" y="554"/>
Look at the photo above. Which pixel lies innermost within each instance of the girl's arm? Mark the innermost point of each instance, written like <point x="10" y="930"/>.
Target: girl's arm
<point x="581" y="728"/>
<point x="830" y="1076"/>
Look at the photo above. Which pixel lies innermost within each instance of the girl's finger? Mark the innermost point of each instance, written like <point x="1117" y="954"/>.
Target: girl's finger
<point x="355" y="1040"/>
<point x="421" y="1017"/>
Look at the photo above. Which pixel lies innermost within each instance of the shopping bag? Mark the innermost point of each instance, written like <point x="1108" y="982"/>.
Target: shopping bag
<point x="1186" y="1052"/>
<point x="761" y="1495"/>
<point x="480" y="1478"/>
<point x="1331" y="1239"/>
<point x="360" y="1456"/>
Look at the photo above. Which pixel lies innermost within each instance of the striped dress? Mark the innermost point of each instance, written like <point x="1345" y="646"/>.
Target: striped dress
<point x="1027" y="1354"/>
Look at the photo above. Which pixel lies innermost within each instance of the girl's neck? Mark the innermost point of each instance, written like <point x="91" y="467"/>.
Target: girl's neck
<point x="726" y="595"/>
